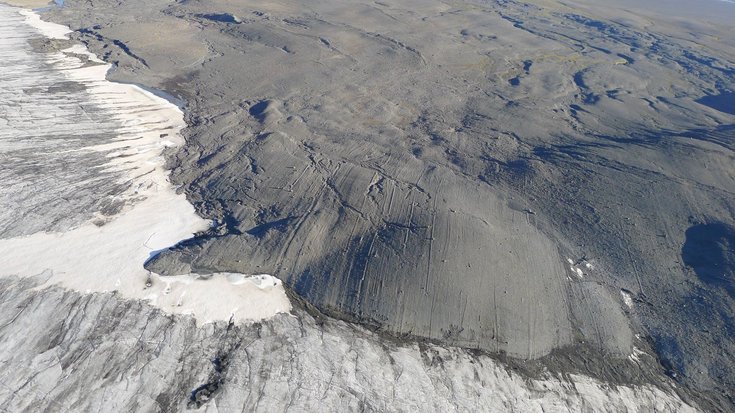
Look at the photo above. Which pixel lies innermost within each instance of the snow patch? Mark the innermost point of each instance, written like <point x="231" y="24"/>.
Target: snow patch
<point x="235" y="296"/>
<point x="576" y="267"/>
<point x="627" y="298"/>
<point x="635" y="356"/>
<point x="50" y="30"/>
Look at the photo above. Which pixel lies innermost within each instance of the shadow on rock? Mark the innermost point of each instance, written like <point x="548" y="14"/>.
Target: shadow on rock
<point x="709" y="249"/>
<point x="724" y="102"/>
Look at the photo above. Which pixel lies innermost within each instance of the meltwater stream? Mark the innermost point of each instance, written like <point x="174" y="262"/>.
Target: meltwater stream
<point x="84" y="196"/>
